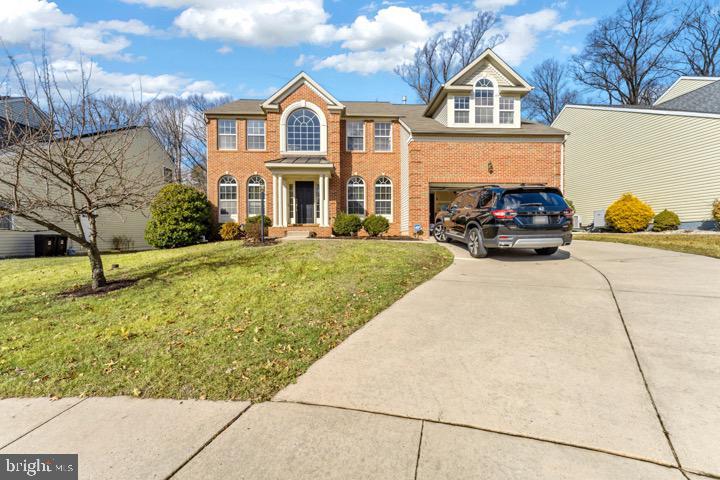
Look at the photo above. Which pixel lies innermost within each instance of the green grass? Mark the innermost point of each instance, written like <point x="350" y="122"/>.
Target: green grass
<point x="708" y="245"/>
<point x="218" y="321"/>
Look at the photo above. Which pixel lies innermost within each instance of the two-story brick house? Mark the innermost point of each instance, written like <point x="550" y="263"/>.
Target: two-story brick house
<point x="307" y="155"/>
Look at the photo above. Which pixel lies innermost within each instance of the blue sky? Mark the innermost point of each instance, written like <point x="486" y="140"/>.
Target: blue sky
<point x="247" y="48"/>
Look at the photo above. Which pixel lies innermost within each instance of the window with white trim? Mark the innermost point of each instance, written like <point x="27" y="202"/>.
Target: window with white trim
<point x="383" y="197"/>
<point x="303" y="131"/>
<point x="356" y="196"/>
<point x="227" y="135"/>
<point x="462" y="109"/>
<point x="507" y="110"/>
<point x="255" y="131"/>
<point x="355" y="136"/>
<point x="227" y="199"/>
<point x="256" y="195"/>
<point x="484" y="101"/>
<point x="383" y="137"/>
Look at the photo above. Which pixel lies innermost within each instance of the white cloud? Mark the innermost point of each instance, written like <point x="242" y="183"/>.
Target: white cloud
<point x="24" y="20"/>
<point x="568" y="25"/>
<point x="224" y="50"/>
<point x="391" y="26"/>
<point x="256" y="22"/>
<point x="132" y="27"/>
<point x="367" y="62"/>
<point x="493" y="4"/>
<point x="522" y="33"/>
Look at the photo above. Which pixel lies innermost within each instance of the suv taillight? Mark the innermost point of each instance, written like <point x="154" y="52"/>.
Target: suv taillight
<point x="504" y="214"/>
<point x="569" y="212"/>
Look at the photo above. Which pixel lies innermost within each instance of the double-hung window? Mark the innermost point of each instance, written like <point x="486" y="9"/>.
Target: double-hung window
<point x="383" y="197"/>
<point x="227" y="135"/>
<point x="256" y="134"/>
<point x="462" y="109"/>
<point x="484" y="101"/>
<point x="383" y="136"/>
<point x="355" y="136"/>
<point x="507" y="110"/>
<point x="356" y="196"/>
<point x="256" y="195"/>
<point x="227" y="201"/>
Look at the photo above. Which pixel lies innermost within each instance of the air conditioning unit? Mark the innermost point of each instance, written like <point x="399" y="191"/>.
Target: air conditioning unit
<point x="577" y="220"/>
<point x="599" y="218"/>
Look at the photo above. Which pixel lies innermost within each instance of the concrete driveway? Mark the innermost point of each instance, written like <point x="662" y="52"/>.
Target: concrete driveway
<point x="600" y="362"/>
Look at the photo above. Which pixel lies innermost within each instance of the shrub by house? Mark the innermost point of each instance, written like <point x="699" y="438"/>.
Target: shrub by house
<point x="665" y="220"/>
<point x="375" y="225"/>
<point x="629" y="214"/>
<point x="180" y="216"/>
<point x="346" y="224"/>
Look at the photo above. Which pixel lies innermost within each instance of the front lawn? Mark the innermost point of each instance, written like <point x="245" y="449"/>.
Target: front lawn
<point x="708" y="245"/>
<point x="218" y="321"/>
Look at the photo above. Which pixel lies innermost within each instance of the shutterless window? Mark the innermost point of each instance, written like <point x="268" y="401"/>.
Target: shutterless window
<point x="355" y="137"/>
<point x="256" y="195"/>
<point x="462" y="109"/>
<point x="303" y="131"/>
<point x="6" y="222"/>
<point x="356" y="196"/>
<point x="227" y="135"/>
<point x="507" y="110"/>
<point x="227" y="199"/>
<point x="383" y="196"/>
<point x="383" y="136"/>
<point x="256" y="134"/>
<point x="484" y="101"/>
<point x="167" y="175"/>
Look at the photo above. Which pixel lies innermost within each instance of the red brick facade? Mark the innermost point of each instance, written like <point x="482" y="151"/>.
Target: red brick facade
<point x="445" y="160"/>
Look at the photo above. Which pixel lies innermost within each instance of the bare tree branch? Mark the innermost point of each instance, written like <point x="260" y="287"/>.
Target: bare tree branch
<point x="552" y="91"/>
<point x="699" y="44"/>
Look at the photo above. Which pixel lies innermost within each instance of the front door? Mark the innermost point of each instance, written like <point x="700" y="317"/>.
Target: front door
<point x="304" y="202"/>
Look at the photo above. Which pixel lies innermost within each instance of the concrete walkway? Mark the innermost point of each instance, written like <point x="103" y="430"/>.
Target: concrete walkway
<point x="601" y="362"/>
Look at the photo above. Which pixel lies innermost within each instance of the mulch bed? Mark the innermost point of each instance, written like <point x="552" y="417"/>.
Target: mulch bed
<point x="86" y="290"/>
<point x="385" y="237"/>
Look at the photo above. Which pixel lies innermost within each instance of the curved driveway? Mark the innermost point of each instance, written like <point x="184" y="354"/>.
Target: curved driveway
<point x="602" y="361"/>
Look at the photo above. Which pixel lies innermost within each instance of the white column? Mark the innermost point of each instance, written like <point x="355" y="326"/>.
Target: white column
<point x="284" y="203"/>
<point x="321" y="199"/>
<point x="326" y="202"/>
<point x="275" y="202"/>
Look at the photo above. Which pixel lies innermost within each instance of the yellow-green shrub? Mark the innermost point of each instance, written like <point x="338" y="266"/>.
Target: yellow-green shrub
<point x="665" y="220"/>
<point x="231" y="231"/>
<point x="629" y="214"/>
<point x="716" y="211"/>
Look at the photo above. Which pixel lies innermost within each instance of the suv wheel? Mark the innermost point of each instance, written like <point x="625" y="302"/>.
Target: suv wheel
<point x="546" y="251"/>
<point x="475" y="244"/>
<point x="440" y="233"/>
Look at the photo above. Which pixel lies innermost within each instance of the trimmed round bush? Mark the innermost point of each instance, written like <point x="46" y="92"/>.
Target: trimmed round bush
<point x="716" y="211"/>
<point x="231" y="231"/>
<point x="256" y="219"/>
<point x="629" y="214"/>
<point x="665" y="220"/>
<point x="179" y="216"/>
<point x="375" y="225"/>
<point x="346" y="224"/>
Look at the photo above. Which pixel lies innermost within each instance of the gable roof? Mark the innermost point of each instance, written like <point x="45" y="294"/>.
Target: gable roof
<point x="455" y="83"/>
<point x="683" y="85"/>
<point x="705" y="99"/>
<point x="300" y="79"/>
<point x="21" y="110"/>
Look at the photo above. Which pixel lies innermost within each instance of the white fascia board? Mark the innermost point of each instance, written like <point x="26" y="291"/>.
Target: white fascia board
<point x="647" y="111"/>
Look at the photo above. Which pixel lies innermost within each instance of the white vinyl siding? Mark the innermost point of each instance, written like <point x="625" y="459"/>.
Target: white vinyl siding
<point x="668" y="161"/>
<point x="227" y="135"/>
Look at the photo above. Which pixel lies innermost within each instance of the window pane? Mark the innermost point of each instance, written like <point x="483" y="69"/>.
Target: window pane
<point x="484" y="98"/>
<point x="356" y="196"/>
<point x="506" y="103"/>
<point x="354" y="143"/>
<point x="227" y="142"/>
<point x="383" y="196"/>
<point x="462" y="103"/>
<point x="227" y="199"/>
<point x="256" y="195"/>
<point x="303" y="131"/>
<point x="226" y="127"/>
<point x="383" y="132"/>
<point x="462" y="116"/>
<point x="355" y="140"/>
<point x="506" y="117"/>
<point x="483" y="115"/>
<point x="256" y="142"/>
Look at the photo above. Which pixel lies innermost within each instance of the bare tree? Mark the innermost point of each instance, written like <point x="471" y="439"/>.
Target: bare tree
<point x="168" y="119"/>
<point x="552" y="91"/>
<point x="80" y="161"/>
<point x="699" y="44"/>
<point x="196" y="146"/>
<point x="628" y="55"/>
<point x="445" y="55"/>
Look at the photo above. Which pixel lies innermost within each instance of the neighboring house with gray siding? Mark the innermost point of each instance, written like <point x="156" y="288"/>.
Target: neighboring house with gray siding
<point x="667" y="154"/>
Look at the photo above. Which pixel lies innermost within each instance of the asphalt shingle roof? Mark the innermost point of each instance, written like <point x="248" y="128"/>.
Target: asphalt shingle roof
<point x="20" y="110"/>
<point x="705" y="99"/>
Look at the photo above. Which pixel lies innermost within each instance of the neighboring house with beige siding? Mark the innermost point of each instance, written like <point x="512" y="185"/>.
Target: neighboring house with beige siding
<point x="17" y="235"/>
<point x="667" y="154"/>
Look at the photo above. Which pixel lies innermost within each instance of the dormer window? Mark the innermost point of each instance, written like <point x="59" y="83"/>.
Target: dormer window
<point x="462" y="109"/>
<point x="507" y="110"/>
<point x="484" y="101"/>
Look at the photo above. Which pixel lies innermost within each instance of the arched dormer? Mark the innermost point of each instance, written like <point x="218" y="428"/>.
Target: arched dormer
<point x="303" y="117"/>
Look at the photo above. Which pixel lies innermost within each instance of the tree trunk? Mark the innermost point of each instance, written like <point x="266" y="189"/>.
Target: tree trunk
<point x="98" y="272"/>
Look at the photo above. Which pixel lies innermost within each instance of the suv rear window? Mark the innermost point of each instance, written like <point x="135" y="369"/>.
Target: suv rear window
<point x="513" y="200"/>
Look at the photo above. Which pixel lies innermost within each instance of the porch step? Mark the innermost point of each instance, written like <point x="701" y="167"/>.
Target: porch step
<point x="296" y="234"/>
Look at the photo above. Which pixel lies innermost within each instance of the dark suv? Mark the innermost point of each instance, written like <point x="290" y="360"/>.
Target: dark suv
<point x="507" y="217"/>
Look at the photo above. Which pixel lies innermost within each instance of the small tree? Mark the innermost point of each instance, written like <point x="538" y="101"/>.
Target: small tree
<point x="79" y="161"/>
<point x="443" y="55"/>
<point x="180" y="216"/>
<point x="629" y="214"/>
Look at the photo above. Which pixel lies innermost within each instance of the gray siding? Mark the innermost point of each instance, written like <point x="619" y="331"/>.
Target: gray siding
<point x="441" y="115"/>
<point x="668" y="161"/>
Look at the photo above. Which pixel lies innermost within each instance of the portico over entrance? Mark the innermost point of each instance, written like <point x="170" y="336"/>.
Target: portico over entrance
<point x="301" y="190"/>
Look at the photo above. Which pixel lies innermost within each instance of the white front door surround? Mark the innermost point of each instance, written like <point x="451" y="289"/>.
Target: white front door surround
<point x="284" y="199"/>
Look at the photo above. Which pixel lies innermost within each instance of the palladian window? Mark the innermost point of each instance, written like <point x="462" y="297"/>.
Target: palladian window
<point x="303" y="131"/>
<point x="484" y="101"/>
<point x="227" y="199"/>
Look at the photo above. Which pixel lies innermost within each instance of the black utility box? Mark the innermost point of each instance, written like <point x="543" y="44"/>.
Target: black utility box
<point x="50" y="245"/>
